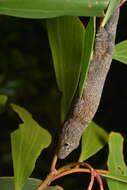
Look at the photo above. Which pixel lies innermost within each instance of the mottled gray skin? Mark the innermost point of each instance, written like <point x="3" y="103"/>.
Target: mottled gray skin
<point x="87" y="105"/>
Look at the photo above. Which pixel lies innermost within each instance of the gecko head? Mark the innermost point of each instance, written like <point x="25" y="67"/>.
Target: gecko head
<point x="69" y="138"/>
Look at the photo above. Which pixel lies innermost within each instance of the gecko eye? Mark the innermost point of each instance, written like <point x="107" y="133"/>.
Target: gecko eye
<point x="66" y="144"/>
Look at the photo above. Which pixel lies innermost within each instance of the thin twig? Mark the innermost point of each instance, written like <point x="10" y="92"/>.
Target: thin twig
<point x="53" y="165"/>
<point x="45" y="183"/>
<point x="72" y="168"/>
<point x="91" y="180"/>
<point x="99" y="180"/>
<point x="121" y="3"/>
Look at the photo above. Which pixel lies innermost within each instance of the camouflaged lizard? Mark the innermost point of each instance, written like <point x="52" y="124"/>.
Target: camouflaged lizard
<point x="86" y="107"/>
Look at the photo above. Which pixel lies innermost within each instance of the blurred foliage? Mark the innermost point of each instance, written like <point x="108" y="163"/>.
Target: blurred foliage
<point x="27" y="78"/>
<point x="27" y="74"/>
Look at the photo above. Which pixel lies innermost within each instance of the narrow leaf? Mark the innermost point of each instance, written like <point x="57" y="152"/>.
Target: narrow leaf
<point x="111" y="8"/>
<point x="66" y="37"/>
<point x="52" y="8"/>
<point x="3" y="101"/>
<point x="27" y="143"/>
<point x="93" y="139"/>
<point x="118" y="178"/>
<point x="87" y="52"/>
<point x="116" y="164"/>
<point x="120" y="52"/>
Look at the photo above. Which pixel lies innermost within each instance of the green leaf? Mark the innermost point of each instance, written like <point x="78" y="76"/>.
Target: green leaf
<point x="27" y="143"/>
<point x="66" y="37"/>
<point x="52" y="8"/>
<point x="116" y="177"/>
<point x="120" y="52"/>
<point x="111" y="8"/>
<point x="93" y="139"/>
<point x="87" y="52"/>
<point x="3" y="101"/>
<point x="116" y="164"/>
<point x="7" y="183"/>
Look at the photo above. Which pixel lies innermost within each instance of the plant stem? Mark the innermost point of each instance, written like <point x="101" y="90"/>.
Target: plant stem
<point x="73" y="168"/>
<point x="46" y="182"/>
<point x="99" y="180"/>
<point x="53" y="165"/>
<point x="91" y="180"/>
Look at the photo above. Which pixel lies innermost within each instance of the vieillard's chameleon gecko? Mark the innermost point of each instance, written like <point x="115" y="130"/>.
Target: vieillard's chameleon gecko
<point x="86" y="107"/>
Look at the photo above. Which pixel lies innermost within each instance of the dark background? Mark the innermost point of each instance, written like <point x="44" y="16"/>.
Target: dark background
<point x="27" y="78"/>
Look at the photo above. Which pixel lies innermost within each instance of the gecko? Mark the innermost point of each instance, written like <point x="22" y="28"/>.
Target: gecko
<point x="87" y="105"/>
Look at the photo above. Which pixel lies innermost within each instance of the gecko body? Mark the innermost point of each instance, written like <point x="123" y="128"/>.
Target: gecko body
<point x="86" y="107"/>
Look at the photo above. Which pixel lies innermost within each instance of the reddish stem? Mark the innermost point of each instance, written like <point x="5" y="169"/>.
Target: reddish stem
<point x="91" y="180"/>
<point x="53" y="165"/>
<point x="99" y="180"/>
<point x="121" y="3"/>
<point x="73" y="168"/>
